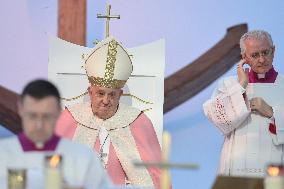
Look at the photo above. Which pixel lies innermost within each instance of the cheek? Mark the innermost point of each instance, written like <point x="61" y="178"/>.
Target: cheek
<point x="27" y="126"/>
<point x="115" y="102"/>
<point x="254" y="65"/>
<point x="95" y="101"/>
<point x="48" y="129"/>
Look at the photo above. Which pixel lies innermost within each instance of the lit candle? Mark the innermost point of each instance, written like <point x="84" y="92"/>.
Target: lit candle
<point x="165" y="176"/>
<point x="274" y="179"/>
<point x="16" y="178"/>
<point x="53" y="179"/>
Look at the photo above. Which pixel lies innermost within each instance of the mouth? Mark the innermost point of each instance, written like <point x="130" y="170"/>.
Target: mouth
<point x="104" y="108"/>
<point x="263" y="66"/>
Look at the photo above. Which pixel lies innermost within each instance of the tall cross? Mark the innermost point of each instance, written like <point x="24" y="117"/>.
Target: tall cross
<point x="108" y="16"/>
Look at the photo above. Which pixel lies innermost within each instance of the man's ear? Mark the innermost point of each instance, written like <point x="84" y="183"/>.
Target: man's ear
<point x="273" y="51"/>
<point x="245" y="57"/>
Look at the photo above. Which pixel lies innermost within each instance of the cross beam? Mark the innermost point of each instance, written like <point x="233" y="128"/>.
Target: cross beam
<point x="9" y="117"/>
<point x="108" y="16"/>
<point x="190" y="80"/>
<point x="72" y="21"/>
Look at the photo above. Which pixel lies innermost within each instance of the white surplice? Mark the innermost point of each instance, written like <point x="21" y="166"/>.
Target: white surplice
<point x="248" y="146"/>
<point x="81" y="167"/>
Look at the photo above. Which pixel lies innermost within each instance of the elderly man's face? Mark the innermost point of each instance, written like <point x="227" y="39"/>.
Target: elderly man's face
<point x="104" y="101"/>
<point x="259" y="54"/>
<point x="39" y="117"/>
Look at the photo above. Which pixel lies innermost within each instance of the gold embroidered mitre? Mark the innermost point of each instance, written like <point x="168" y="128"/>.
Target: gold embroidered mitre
<point x="108" y="65"/>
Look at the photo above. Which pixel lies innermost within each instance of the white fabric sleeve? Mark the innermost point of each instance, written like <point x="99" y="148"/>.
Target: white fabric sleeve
<point x="227" y="108"/>
<point x="278" y="114"/>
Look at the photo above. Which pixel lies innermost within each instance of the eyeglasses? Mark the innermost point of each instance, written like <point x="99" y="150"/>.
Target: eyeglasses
<point x="265" y="53"/>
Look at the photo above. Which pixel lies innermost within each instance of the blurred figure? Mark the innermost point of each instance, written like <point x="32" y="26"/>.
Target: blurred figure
<point x="39" y="108"/>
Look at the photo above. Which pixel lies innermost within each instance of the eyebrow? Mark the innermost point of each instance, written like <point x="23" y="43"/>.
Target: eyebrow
<point x="100" y="91"/>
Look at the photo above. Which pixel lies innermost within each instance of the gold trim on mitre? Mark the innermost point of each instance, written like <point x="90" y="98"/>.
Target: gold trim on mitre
<point x="102" y="82"/>
<point x="111" y="58"/>
<point x="108" y="81"/>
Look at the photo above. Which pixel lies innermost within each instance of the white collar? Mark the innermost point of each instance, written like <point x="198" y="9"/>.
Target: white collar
<point x="261" y="76"/>
<point x="124" y="116"/>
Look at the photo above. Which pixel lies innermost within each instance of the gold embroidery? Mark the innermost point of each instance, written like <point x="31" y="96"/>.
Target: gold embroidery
<point x="146" y="110"/>
<point x="137" y="98"/>
<point x="108" y="78"/>
<point x="113" y="83"/>
<point x="75" y="98"/>
<point x="111" y="58"/>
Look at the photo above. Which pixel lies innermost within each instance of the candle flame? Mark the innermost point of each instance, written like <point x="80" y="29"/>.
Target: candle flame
<point x="54" y="160"/>
<point x="273" y="171"/>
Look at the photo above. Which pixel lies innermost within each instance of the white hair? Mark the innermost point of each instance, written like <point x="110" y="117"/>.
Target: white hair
<point x="255" y="34"/>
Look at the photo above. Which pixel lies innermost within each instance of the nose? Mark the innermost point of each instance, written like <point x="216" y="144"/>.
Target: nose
<point x="39" y="124"/>
<point x="105" y="99"/>
<point x="261" y="59"/>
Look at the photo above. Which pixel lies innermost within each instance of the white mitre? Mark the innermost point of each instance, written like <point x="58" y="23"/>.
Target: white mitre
<point x="108" y="65"/>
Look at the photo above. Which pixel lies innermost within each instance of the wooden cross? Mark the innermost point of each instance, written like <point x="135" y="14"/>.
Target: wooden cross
<point x="179" y="87"/>
<point x="9" y="117"/>
<point x="72" y="21"/>
<point x="108" y="16"/>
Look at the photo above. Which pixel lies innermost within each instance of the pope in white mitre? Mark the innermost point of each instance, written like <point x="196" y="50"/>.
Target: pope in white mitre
<point x="39" y="108"/>
<point x="121" y="134"/>
<point x="249" y="110"/>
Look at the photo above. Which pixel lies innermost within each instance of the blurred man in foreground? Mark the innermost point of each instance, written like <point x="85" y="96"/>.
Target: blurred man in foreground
<point x="39" y="108"/>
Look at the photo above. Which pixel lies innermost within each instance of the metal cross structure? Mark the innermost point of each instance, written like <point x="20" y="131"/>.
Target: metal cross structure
<point x="108" y="16"/>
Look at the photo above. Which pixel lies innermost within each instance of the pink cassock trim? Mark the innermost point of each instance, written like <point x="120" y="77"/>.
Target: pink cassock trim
<point x="114" y="168"/>
<point x="147" y="144"/>
<point x="144" y="136"/>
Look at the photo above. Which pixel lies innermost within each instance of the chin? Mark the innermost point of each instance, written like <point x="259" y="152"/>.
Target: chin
<point x="262" y="70"/>
<point x="41" y="139"/>
<point x="265" y="71"/>
<point x="101" y="116"/>
<point x="36" y="140"/>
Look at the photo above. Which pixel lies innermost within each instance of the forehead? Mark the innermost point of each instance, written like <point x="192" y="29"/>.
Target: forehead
<point x="49" y="103"/>
<point x="103" y="89"/>
<point x="257" y="44"/>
